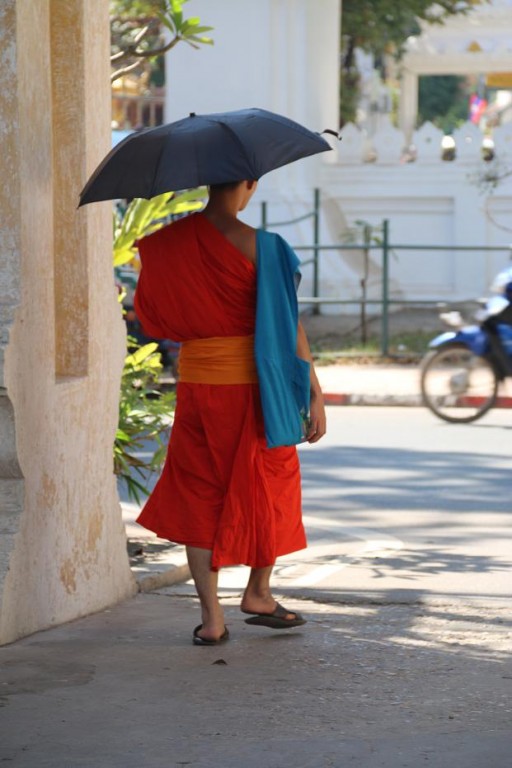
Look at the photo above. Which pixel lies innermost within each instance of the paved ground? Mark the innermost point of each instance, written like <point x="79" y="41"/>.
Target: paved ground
<point x="374" y="686"/>
<point x="370" y="683"/>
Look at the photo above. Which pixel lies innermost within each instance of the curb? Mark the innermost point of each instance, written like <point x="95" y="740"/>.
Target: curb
<point x="177" y="574"/>
<point x="336" y="398"/>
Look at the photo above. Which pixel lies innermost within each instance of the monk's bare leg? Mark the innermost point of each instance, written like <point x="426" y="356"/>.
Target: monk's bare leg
<point x="257" y="597"/>
<point x="206" y="581"/>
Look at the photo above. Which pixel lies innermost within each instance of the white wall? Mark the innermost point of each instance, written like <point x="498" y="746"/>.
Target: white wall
<point x="427" y="202"/>
<point x="281" y="55"/>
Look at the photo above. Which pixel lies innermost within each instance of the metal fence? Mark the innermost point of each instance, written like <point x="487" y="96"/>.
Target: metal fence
<point x="382" y="245"/>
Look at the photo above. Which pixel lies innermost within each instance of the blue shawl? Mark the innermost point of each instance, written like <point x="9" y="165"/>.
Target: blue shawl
<point x="283" y="377"/>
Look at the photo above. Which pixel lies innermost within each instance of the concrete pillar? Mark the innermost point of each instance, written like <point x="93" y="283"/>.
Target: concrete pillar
<point x="11" y="478"/>
<point x="61" y="333"/>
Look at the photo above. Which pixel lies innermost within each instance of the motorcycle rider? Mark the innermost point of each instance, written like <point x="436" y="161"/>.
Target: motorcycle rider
<point x="499" y="311"/>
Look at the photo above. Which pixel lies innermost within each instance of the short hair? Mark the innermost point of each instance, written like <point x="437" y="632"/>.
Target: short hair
<point x="225" y="185"/>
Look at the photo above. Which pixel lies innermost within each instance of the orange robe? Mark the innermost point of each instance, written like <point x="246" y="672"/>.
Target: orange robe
<point x="221" y="488"/>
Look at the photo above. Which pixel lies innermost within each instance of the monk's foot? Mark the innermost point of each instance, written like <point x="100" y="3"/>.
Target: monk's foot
<point x="212" y="627"/>
<point x="207" y="633"/>
<point x="262" y="604"/>
<point x="198" y="639"/>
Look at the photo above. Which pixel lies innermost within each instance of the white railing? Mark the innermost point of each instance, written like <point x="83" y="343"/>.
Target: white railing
<point x="429" y="145"/>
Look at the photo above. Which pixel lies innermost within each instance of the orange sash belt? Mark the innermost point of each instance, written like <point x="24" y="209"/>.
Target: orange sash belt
<point x="218" y="360"/>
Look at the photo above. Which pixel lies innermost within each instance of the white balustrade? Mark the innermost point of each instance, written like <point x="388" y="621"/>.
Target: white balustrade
<point x="427" y="143"/>
<point x="352" y="145"/>
<point x="468" y="142"/>
<point x="389" y="144"/>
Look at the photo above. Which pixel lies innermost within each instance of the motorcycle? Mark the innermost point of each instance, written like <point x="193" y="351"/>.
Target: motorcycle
<point x="461" y="374"/>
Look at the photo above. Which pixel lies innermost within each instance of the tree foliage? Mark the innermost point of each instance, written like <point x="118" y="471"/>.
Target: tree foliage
<point x="143" y="30"/>
<point x="381" y="27"/>
<point x="443" y="100"/>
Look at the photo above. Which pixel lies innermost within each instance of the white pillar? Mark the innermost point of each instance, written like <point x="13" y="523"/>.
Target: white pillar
<point x="408" y="103"/>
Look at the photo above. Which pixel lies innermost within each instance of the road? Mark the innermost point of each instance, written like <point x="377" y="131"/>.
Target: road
<point x="402" y="507"/>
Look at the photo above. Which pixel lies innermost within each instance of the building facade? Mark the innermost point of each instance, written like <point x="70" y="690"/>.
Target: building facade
<point x="283" y="55"/>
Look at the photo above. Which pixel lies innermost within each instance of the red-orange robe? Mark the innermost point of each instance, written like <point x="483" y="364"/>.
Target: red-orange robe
<point x="221" y="488"/>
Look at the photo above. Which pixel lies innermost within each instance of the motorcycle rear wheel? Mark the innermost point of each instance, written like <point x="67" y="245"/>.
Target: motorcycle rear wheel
<point x="456" y="385"/>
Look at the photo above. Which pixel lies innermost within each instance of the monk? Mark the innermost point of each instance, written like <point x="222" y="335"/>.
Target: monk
<point x="222" y="493"/>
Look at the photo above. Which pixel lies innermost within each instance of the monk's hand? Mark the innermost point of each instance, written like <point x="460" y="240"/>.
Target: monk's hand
<point x="317" y="419"/>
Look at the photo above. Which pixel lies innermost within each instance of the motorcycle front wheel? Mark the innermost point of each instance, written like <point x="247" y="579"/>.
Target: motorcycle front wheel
<point x="457" y="385"/>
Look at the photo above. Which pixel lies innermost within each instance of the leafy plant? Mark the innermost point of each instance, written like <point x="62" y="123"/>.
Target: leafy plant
<point x="188" y="30"/>
<point x="136" y="32"/>
<point x="145" y="415"/>
<point x="142" y="217"/>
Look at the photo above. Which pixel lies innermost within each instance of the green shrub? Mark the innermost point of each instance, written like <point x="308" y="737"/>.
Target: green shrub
<point x="145" y="416"/>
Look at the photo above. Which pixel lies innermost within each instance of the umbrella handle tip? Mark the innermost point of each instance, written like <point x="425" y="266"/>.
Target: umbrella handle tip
<point x="333" y="133"/>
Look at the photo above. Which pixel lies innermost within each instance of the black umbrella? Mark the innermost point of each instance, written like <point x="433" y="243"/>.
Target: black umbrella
<point x="200" y="149"/>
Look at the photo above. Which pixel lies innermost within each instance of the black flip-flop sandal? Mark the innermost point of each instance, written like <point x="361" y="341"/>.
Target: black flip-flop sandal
<point x="277" y="619"/>
<point x="198" y="640"/>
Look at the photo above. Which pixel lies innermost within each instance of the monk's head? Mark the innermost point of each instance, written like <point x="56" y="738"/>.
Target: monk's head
<point x="236" y="191"/>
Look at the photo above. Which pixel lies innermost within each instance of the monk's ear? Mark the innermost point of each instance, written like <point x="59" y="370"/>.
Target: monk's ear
<point x="251" y="185"/>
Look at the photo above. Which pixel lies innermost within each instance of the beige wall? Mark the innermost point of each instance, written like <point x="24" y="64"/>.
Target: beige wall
<point x="63" y="551"/>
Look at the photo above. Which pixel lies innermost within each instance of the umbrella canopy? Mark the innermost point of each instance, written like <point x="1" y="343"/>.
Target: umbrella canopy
<point x="200" y="149"/>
